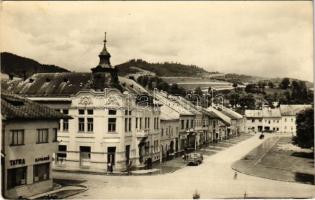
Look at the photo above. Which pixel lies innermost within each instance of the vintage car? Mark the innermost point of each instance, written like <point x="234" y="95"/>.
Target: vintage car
<point x="194" y="158"/>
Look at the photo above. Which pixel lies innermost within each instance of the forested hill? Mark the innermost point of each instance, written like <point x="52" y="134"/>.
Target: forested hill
<point x="161" y="69"/>
<point x="19" y="66"/>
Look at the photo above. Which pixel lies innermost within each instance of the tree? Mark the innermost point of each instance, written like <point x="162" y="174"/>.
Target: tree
<point x="261" y="85"/>
<point x="305" y="129"/>
<point x="285" y="83"/>
<point x="234" y="85"/>
<point x="271" y="85"/>
<point x="198" y="91"/>
<point x="251" y="88"/>
<point x="247" y="101"/>
<point x="234" y="98"/>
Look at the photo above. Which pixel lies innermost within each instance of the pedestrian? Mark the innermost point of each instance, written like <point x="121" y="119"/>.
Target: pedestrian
<point x="129" y="167"/>
<point x="109" y="168"/>
<point x="235" y="175"/>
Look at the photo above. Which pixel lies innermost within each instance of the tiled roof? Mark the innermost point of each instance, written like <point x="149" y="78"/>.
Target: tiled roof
<point x="14" y="107"/>
<point x="60" y="84"/>
<point x="292" y="110"/>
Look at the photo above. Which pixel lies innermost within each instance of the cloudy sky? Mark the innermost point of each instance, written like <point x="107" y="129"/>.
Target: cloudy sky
<point x="272" y="39"/>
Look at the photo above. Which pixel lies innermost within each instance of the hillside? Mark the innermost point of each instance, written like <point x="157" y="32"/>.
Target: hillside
<point x="19" y="66"/>
<point x="161" y="69"/>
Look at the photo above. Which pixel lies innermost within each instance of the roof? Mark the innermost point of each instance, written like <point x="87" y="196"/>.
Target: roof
<point x="225" y="119"/>
<point x="60" y="84"/>
<point x="231" y="114"/>
<point x="163" y="98"/>
<point x="266" y="112"/>
<point x="292" y="110"/>
<point x="168" y="113"/>
<point x="14" y="107"/>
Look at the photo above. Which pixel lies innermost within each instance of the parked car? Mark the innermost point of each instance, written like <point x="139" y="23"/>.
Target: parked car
<point x="194" y="158"/>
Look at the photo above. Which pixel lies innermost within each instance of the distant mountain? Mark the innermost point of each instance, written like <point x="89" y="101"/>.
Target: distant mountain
<point x="161" y="69"/>
<point x="19" y="66"/>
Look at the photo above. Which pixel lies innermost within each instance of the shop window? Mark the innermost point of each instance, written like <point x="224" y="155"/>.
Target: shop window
<point x="42" y="135"/>
<point x="17" y="137"/>
<point x="16" y="177"/>
<point x="41" y="172"/>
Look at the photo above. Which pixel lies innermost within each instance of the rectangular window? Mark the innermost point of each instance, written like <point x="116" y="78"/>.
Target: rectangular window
<point x="85" y="153"/>
<point x="81" y="124"/>
<point x="66" y="125"/>
<point x="162" y="131"/>
<point x="17" y="137"/>
<point x="111" y="124"/>
<point x="253" y="120"/>
<point x="126" y="124"/>
<point x="16" y="177"/>
<point x="62" y="152"/>
<point x="81" y="112"/>
<point x="65" y="111"/>
<point x="182" y="124"/>
<point x="145" y="122"/>
<point x="41" y="172"/>
<point x="90" y="112"/>
<point x="42" y="135"/>
<point x="192" y="123"/>
<point x="187" y="124"/>
<point x="148" y="122"/>
<point x="136" y="122"/>
<point x="141" y="123"/>
<point x="157" y="123"/>
<point x="129" y="128"/>
<point x="112" y="112"/>
<point x="90" y="124"/>
<point x="55" y="136"/>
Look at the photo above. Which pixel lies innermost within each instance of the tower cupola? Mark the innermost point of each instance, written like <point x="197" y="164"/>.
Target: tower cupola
<point x="104" y="75"/>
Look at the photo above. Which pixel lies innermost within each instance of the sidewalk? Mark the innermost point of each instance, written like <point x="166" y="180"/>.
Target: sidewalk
<point x="169" y="166"/>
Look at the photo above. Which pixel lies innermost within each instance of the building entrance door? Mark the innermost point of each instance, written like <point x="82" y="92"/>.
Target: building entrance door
<point x="85" y="156"/>
<point x="127" y="154"/>
<point x="111" y="153"/>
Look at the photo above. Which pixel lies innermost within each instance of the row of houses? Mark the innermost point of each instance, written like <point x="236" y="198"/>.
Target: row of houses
<point x="281" y="120"/>
<point x="99" y="118"/>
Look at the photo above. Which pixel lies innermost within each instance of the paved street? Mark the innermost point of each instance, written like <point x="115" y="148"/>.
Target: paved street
<point x="212" y="179"/>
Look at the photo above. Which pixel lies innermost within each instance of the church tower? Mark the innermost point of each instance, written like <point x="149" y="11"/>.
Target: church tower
<point x="104" y="75"/>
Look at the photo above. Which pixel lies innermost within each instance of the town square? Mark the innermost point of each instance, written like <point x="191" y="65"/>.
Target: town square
<point x="140" y="100"/>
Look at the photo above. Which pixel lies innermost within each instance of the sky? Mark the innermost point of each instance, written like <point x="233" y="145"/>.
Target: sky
<point x="269" y="39"/>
